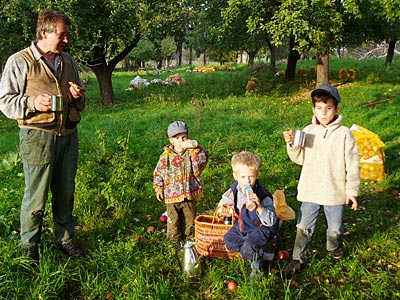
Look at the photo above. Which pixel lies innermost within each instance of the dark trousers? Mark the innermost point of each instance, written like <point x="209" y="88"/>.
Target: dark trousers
<point x="250" y="245"/>
<point x="50" y="162"/>
<point x="181" y="220"/>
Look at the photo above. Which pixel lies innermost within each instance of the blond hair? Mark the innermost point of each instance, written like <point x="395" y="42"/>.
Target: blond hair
<point x="245" y="158"/>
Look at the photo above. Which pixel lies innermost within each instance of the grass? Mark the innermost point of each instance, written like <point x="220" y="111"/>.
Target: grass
<point x="119" y="147"/>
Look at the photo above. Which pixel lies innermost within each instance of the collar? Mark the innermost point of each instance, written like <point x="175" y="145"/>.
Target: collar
<point x="37" y="55"/>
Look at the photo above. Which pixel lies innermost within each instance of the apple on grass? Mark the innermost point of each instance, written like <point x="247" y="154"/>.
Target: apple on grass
<point x="232" y="285"/>
<point x="163" y="219"/>
<point x="283" y="255"/>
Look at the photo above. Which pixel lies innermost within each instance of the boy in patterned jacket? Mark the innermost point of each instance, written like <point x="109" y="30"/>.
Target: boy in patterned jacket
<point x="176" y="180"/>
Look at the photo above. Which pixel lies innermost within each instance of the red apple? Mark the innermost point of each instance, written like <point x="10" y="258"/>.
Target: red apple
<point x="163" y="218"/>
<point x="232" y="285"/>
<point x="283" y="255"/>
<point x="109" y="296"/>
<point x="395" y="193"/>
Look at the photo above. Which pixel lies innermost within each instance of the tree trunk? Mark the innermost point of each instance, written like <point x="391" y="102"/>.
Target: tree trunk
<point x="205" y="58"/>
<point x="180" y="55"/>
<point x="390" y="53"/>
<point x="127" y="64"/>
<point x="272" y="49"/>
<point x="103" y="71"/>
<point x="190" y="55"/>
<point x="322" y="69"/>
<point x="239" y="58"/>
<point x="103" y="75"/>
<point x="294" y="56"/>
<point x="252" y="55"/>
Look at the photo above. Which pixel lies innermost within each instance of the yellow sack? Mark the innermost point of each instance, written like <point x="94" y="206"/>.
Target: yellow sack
<point x="284" y="211"/>
<point x="371" y="154"/>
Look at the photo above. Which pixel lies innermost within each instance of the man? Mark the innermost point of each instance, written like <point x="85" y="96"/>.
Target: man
<point x="48" y="135"/>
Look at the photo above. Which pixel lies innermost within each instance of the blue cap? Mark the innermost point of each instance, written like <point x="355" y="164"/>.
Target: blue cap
<point x="326" y="88"/>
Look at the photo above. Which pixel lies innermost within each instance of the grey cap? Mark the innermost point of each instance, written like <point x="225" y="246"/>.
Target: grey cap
<point x="327" y="89"/>
<point x="177" y="127"/>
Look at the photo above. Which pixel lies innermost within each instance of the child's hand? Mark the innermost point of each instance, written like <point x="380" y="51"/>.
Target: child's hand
<point x="288" y="136"/>
<point x="352" y="202"/>
<point x="160" y="196"/>
<point x="254" y="197"/>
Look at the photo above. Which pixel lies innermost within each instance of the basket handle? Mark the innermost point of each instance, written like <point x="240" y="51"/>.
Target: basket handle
<point x="224" y="210"/>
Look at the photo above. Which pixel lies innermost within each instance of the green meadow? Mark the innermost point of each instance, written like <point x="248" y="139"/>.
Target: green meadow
<point x="115" y="201"/>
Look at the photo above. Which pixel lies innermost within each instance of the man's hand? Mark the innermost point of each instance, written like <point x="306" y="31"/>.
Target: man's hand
<point x="42" y="102"/>
<point x="76" y="90"/>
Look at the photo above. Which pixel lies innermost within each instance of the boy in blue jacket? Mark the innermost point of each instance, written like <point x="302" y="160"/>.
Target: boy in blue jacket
<point x="258" y="222"/>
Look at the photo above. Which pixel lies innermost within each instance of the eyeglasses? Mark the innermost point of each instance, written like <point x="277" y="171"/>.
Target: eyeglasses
<point x="62" y="35"/>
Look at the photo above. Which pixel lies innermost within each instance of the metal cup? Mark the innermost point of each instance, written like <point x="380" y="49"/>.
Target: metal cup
<point x="299" y="138"/>
<point x="56" y="103"/>
<point x="227" y="220"/>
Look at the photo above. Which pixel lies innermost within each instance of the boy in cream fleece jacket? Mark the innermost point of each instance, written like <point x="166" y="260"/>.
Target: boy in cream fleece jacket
<point x="329" y="177"/>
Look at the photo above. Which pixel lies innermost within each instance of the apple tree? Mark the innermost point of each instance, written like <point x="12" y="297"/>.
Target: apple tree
<point x="102" y="32"/>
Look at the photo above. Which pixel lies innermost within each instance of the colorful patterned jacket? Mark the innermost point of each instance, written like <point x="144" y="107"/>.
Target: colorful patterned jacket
<point x="178" y="175"/>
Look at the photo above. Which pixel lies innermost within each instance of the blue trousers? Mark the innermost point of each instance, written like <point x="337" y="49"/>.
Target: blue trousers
<point x="306" y="221"/>
<point x="49" y="162"/>
<point x="250" y="245"/>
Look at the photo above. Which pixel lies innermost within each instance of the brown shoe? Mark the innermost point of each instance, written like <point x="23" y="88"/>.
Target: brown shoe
<point x="72" y="250"/>
<point x="293" y="267"/>
<point x="32" y="252"/>
<point x="338" y="254"/>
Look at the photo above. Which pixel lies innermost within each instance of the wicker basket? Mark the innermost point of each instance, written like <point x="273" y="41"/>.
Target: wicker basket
<point x="209" y="234"/>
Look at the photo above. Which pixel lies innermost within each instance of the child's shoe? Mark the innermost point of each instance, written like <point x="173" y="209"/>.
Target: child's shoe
<point x="291" y="268"/>
<point x="337" y="254"/>
<point x="256" y="271"/>
<point x="32" y="252"/>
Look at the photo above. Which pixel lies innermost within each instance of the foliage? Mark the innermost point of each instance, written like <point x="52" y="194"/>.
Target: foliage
<point x="115" y="203"/>
<point x="168" y="48"/>
<point x="15" y="34"/>
<point x="144" y="51"/>
<point x="103" y="33"/>
<point x="222" y="56"/>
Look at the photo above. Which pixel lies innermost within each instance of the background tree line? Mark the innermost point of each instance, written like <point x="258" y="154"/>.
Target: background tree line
<point x="107" y="32"/>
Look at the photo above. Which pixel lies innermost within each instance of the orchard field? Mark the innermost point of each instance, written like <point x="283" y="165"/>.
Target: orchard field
<point x="115" y="202"/>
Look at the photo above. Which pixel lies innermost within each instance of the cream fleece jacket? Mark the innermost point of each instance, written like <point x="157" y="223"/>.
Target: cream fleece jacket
<point x="330" y="164"/>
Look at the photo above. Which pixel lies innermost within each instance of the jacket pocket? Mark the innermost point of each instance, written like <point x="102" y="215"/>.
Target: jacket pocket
<point x="41" y="118"/>
<point x="73" y="114"/>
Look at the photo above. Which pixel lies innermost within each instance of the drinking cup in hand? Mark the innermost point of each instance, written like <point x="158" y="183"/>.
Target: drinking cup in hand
<point x="189" y="144"/>
<point x="56" y="103"/>
<point x="299" y="138"/>
<point x="248" y="192"/>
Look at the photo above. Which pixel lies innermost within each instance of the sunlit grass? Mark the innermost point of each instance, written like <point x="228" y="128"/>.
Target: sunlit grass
<point x="119" y="147"/>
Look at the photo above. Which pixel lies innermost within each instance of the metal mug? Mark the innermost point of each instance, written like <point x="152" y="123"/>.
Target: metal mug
<point x="299" y="139"/>
<point x="56" y="103"/>
<point x="227" y="220"/>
